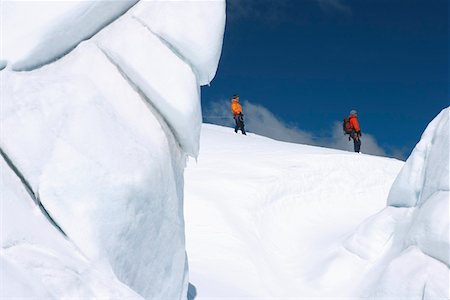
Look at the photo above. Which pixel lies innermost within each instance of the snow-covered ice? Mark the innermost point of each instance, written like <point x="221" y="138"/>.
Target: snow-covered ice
<point x="187" y="34"/>
<point x="266" y="219"/>
<point x="94" y="141"/>
<point x="180" y="106"/>
<point x="416" y="258"/>
<point x="99" y="138"/>
<point x="37" y="261"/>
<point x="35" y="33"/>
<point x="103" y="164"/>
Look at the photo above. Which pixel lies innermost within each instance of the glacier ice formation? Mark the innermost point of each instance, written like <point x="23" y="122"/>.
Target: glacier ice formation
<point x="95" y="132"/>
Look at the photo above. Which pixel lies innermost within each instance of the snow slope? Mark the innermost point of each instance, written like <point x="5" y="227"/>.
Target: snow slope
<point x="273" y="220"/>
<point x="266" y="219"/>
<point x="94" y="144"/>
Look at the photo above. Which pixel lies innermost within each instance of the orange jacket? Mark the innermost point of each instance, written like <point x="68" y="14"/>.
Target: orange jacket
<point x="354" y="121"/>
<point x="236" y="108"/>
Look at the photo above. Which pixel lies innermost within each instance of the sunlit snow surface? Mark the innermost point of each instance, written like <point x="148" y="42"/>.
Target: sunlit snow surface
<point x="99" y="135"/>
<point x="273" y="220"/>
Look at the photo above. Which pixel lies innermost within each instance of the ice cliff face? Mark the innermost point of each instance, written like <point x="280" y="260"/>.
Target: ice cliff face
<point x="408" y="241"/>
<point x="94" y="145"/>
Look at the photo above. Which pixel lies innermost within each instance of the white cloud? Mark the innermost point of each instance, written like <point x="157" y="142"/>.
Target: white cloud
<point x="260" y="120"/>
<point x="340" y="141"/>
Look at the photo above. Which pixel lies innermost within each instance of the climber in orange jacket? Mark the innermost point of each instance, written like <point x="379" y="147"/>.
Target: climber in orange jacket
<point x="356" y="130"/>
<point x="238" y="116"/>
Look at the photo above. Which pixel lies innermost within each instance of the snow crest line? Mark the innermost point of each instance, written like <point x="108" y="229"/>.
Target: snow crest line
<point x="30" y="191"/>
<point x="162" y="120"/>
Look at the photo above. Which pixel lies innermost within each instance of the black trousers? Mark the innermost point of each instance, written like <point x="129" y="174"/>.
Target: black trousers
<point x="239" y="120"/>
<point x="356" y="141"/>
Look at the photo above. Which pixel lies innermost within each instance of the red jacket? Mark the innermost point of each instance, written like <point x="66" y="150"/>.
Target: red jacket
<point x="354" y="121"/>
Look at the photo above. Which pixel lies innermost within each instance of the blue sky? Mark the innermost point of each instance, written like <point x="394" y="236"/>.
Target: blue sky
<point x="309" y="62"/>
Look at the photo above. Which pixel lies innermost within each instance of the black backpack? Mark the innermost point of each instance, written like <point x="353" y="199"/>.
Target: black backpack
<point x="347" y="126"/>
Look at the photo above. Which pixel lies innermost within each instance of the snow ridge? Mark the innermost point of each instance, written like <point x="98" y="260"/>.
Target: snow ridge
<point x="169" y="45"/>
<point x="30" y="191"/>
<point x="83" y="21"/>
<point x="185" y="34"/>
<point x="143" y="96"/>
